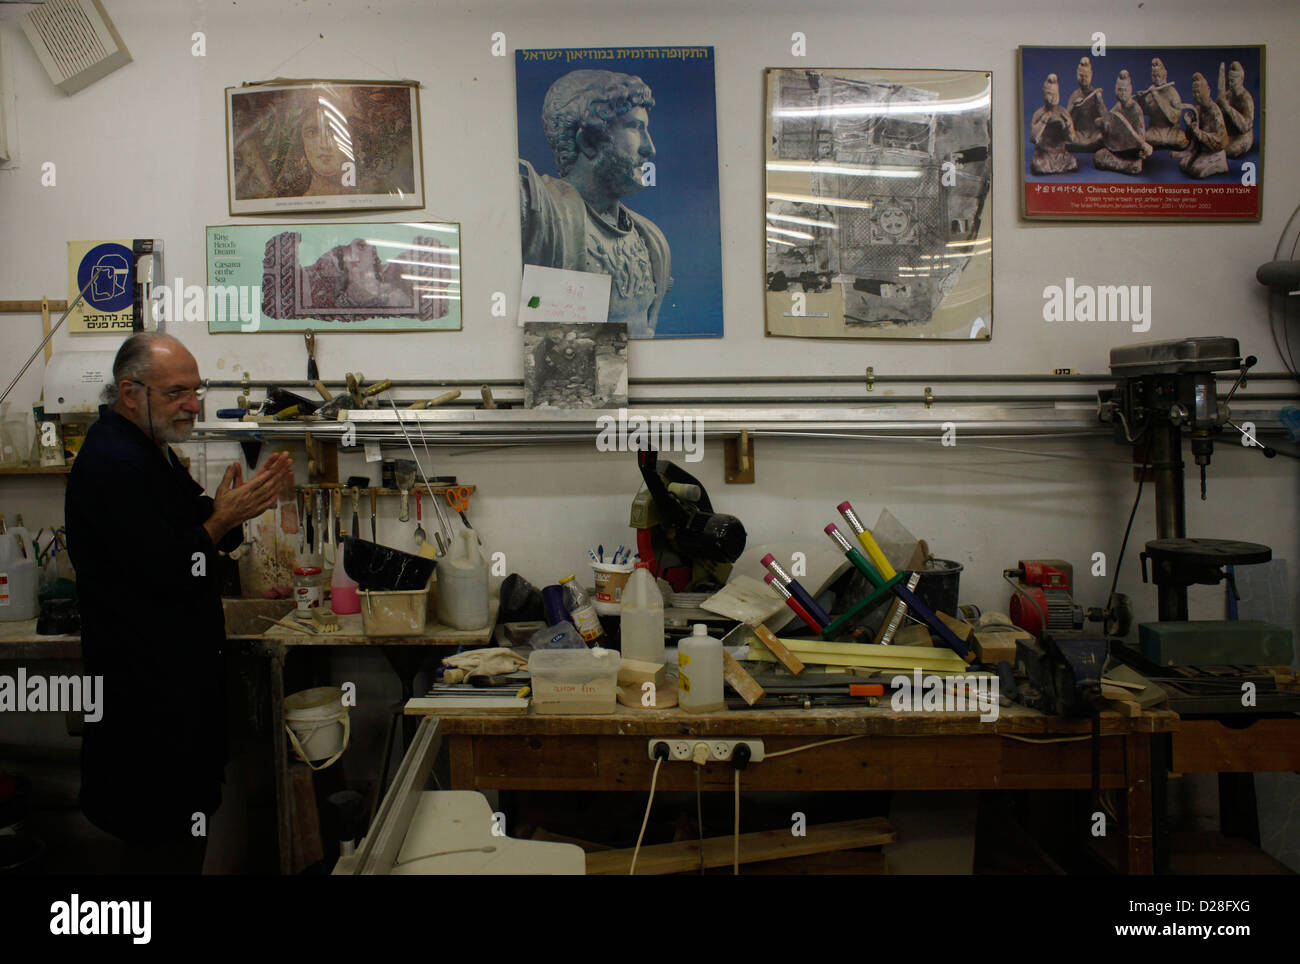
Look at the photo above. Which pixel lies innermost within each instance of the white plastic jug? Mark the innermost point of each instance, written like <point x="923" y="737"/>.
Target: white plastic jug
<point x="641" y="624"/>
<point x="18" y="582"/>
<point x="699" y="672"/>
<point x="463" y="584"/>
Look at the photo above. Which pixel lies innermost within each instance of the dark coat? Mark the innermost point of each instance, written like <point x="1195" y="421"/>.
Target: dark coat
<point x="152" y="627"/>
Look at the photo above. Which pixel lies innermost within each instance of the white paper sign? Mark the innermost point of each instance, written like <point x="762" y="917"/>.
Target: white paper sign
<point x="555" y="294"/>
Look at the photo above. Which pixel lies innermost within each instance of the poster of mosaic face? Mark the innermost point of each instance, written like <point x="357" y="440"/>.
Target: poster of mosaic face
<point x="618" y="175"/>
<point x="1141" y="133"/>
<point x="330" y="277"/>
<point x="323" y="146"/>
<point x="878" y="193"/>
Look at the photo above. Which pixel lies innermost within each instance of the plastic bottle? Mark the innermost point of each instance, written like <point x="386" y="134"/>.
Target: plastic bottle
<point x="17" y="582"/>
<point x="699" y="672"/>
<point x="562" y="635"/>
<point x="463" y="584"/>
<point x="343" y="589"/>
<point x="641" y="624"/>
<point x="581" y="612"/>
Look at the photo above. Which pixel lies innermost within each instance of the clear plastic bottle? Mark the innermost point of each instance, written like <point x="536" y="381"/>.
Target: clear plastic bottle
<point x="641" y="623"/>
<point x="581" y="611"/>
<point x="699" y="672"/>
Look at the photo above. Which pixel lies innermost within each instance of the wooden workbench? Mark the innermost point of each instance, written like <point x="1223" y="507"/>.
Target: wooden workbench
<point x="1021" y="750"/>
<point x="20" y="641"/>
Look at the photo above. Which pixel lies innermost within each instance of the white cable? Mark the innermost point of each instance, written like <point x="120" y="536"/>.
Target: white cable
<point x="646" y="819"/>
<point x="809" y="746"/>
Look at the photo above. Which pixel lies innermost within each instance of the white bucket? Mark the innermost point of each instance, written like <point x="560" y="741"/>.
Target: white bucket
<point x="318" y="725"/>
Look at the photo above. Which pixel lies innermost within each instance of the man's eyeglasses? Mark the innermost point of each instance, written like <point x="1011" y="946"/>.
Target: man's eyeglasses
<point x="180" y="394"/>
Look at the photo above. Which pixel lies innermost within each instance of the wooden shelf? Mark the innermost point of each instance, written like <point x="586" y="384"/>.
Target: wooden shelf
<point x="35" y="470"/>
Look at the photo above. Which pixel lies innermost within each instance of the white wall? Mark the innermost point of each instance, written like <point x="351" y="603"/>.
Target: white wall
<point x="141" y="153"/>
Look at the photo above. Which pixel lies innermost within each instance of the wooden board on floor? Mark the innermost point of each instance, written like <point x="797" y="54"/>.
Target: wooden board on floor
<point x="675" y="858"/>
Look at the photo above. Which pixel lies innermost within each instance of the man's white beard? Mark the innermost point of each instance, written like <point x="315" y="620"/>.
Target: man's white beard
<point x="165" y="430"/>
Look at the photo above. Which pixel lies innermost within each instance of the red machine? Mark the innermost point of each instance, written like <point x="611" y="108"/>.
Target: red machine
<point x="1044" y="591"/>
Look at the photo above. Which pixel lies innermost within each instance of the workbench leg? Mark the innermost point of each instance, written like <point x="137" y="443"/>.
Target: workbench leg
<point x="1138" y="856"/>
<point x="460" y="750"/>
<point x="280" y="747"/>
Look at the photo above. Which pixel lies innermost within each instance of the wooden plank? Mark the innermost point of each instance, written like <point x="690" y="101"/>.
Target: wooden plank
<point x="994" y="646"/>
<point x="1207" y="746"/>
<point x="913" y="635"/>
<point x="1138" y="855"/>
<point x="960" y="628"/>
<point x="31" y="307"/>
<point x="634" y="672"/>
<point x="939" y="660"/>
<point x="836" y="862"/>
<point x="683" y="857"/>
<point x="806" y="725"/>
<point x="739" y="680"/>
<point x="447" y="705"/>
<point x="306" y="839"/>
<point x="778" y="649"/>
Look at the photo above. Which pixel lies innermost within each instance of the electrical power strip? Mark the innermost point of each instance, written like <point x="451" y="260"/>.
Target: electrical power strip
<point x="719" y="750"/>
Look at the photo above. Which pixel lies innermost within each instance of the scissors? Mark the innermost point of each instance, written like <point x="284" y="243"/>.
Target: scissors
<point x="458" y="499"/>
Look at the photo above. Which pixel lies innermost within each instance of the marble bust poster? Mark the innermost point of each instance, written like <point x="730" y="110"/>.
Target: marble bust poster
<point x="618" y="175"/>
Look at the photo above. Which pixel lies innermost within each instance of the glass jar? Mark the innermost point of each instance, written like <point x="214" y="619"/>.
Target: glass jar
<point x="308" y="586"/>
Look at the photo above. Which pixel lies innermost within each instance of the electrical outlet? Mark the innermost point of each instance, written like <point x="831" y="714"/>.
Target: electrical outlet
<point x="720" y="751"/>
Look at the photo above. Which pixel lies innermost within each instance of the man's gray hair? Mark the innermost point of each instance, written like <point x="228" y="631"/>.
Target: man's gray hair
<point x="587" y="99"/>
<point x="133" y="361"/>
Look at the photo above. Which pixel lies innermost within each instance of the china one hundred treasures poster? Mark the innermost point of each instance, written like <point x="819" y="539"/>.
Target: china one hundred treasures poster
<point x="878" y="194"/>
<point x="1142" y="133"/>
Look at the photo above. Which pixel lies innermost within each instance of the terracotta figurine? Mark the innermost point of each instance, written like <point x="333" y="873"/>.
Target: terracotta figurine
<point x="1086" y="106"/>
<point x="1238" y="109"/>
<point x="1207" y="132"/>
<point x="1123" y="145"/>
<point x="1051" y="130"/>
<point x="1162" y="105"/>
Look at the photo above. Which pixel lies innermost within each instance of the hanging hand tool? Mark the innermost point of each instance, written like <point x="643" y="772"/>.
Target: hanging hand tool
<point x="404" y="473"/>
<point x="356" y="522"/>
<point x="435" y="402"/>
<point x="419" y="520"/>
<point x="458" y="499"/>
<point x="374" y="506"/>
<point x="313" y="374"/>
<point x="327" y="531"/>
<point x="311" y="533"/>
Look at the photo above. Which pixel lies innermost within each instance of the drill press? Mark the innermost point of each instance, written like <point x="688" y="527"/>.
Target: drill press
<point x="1165" y="387"/>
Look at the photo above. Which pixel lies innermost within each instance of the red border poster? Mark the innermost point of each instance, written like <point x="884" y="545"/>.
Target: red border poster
<point x="1142" y="133"/>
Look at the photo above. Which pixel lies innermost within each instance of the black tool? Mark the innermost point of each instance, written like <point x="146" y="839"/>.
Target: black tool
<point x="313" y="374"/>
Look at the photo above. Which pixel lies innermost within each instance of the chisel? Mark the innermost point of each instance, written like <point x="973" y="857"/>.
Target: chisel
<point x="374" y="505"/>
<point x="356" y="521"/>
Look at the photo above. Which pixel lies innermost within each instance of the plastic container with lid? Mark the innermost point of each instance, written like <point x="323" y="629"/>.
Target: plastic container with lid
<point x="641" y="623"/>
<point x="18" y="582"/>
<point x="308" y="588"/>
<point x="699" y="672"/>
<point x="574" y="680"/>
<point x="463" y="584"/>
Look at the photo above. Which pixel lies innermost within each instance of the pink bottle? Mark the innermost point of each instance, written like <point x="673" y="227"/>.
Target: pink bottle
<point x="343" y="589"/>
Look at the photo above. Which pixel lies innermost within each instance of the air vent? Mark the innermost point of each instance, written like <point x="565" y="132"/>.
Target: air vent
<point x="75" y="42"/>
